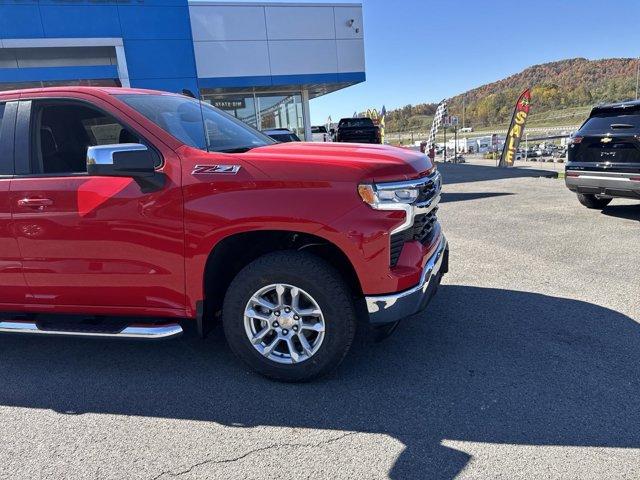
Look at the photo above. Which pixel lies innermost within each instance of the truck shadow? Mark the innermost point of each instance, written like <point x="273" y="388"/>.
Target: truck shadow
<point x="630" y="212"/>
<point x="465" y="173"/>
<point x="466" y="196"/>
<point x="483" y="365"/>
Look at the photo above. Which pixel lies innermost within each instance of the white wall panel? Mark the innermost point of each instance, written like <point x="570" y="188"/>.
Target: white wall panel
<point x="294" y="57"/>
<point x="351" y="55"/>
<point x="301" y="23"/>
<point x="236" y="40"/>
<point x="211" y="22"/>
<point x="232" y="59"/>
<point x="342" y="17"/>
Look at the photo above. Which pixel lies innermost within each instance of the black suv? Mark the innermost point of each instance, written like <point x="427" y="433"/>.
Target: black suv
<point x="604" y="155"/>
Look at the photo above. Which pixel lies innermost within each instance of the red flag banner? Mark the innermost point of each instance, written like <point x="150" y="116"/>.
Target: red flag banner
<point x="516" y="129"/>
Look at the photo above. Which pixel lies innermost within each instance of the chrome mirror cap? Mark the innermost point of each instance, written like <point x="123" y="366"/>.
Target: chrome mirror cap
<point x="103" y="154"/>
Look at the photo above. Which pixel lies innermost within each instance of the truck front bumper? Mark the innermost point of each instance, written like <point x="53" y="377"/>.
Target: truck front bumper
<point x="386" y="309"/>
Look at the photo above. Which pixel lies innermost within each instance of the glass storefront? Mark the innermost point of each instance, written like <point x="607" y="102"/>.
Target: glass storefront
<point x="242" y="106"/>
<point x="281" y="111"/>
<point x="263" y="110"/>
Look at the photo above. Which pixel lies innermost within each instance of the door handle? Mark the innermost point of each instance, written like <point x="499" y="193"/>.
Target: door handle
<point x="37" y="203"/>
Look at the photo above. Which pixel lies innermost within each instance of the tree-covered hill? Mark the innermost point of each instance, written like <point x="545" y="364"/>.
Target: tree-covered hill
<point x="556" y="86"/>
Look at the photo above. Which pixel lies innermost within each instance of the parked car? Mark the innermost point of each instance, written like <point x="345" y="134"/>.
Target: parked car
<point x="320" y="134"/>
<point x="358" y="130"/>
<point x="604" y="155"/>
<point x="560" y="155"/>
<point x="281" y="135"/>
<point x="121" y="216"/>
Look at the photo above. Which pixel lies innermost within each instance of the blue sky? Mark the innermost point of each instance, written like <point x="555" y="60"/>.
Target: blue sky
<point x="422" y="50"/>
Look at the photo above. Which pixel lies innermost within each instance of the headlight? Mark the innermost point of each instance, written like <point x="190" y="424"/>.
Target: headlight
<point x="391" y="197"/>
<point x="403" y="196"/>
<point x="380" y="197"/>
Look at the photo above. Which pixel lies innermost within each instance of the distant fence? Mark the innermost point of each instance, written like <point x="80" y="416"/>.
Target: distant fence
<point x="405" y="138"/>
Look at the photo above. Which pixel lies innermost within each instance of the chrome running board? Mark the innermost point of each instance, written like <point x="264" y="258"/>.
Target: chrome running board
<point x="145" y="332"/>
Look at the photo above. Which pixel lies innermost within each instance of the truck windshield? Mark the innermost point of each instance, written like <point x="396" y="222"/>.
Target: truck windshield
<point x="355" y="122"/>
<point x="188" y="119"/>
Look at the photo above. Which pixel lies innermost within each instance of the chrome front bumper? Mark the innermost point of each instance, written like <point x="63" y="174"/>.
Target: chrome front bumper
<point x="385" y="309"/>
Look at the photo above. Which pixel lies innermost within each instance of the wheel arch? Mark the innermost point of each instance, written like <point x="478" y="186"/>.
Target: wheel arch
<point x="231" y="254"/>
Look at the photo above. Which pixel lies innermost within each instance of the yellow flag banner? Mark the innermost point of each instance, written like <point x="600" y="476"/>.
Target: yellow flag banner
<point x="516" y="129"/>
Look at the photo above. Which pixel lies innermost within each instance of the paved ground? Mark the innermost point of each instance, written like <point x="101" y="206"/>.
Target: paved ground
<point x="555" y="167"/>
<point x="525" y="366"/>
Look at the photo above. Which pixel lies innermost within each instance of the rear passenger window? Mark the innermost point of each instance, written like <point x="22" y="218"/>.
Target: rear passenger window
<point x="1" y="115"/>
<point x="6" y="163"/>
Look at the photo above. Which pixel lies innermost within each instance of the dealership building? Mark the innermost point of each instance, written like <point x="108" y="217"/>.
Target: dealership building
<point x="262" y="62"/>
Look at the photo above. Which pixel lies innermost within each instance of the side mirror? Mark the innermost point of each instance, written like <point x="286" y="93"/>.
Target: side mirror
<point x="132" y="160"/>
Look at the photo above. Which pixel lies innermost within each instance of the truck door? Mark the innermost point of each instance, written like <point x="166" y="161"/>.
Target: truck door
<point x="95" y="244"/>
<point x="13" y="287"/>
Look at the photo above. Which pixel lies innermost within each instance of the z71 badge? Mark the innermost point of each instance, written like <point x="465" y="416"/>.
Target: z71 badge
<point x="215" y="169"/>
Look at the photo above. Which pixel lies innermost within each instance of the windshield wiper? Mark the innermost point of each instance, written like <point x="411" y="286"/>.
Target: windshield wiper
<point x="616" y="126"/>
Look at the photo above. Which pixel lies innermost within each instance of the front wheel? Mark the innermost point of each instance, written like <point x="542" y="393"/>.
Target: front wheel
<point x="592" y="201"/>
<point x="289" y="316"/>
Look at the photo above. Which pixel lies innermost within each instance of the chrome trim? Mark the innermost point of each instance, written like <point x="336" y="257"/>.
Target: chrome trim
<point x="103" y="154"/>
<point x="409" y="216"/>
<point x="393" y="307"/>
<point x="428" y="206"/>
<point x="420" y="182"/>
<point x="149" y="332"/>
<point x="410" y="209"/>
<point x="600" y="177"/>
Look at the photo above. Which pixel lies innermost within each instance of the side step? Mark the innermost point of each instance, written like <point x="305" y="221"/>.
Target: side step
<point x="140" y="331"/>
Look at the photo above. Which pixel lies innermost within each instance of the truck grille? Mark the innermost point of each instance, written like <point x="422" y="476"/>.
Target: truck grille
<point x="422" y="231"/>
<point x="428" y="191"/>
<point x="424" y="224"/>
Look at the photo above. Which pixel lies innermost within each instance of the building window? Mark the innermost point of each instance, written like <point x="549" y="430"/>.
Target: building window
<point x="263" y="110"/>
<point x="241" y="106"/>
<point x="281" y="111"/>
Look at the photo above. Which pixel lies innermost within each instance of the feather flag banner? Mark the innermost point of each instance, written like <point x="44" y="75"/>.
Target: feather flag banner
<point x="516" y="129"/>
<point x="441" y="112"/>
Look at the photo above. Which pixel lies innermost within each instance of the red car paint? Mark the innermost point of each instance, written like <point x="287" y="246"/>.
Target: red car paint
<point x="100" y="246"/>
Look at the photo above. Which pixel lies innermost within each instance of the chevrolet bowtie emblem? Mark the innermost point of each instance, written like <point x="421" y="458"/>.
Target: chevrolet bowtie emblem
<point x="606" y="140"/>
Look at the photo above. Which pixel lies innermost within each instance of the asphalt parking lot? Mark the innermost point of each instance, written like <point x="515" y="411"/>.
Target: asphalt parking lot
<point x="525" y="366"/>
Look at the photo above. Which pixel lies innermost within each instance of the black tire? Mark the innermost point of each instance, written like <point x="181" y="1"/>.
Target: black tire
<point x="317" y="278"/>
<point x="591" y="201"/>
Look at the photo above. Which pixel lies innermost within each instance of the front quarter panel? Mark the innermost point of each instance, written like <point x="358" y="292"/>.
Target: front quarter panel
<point x="218" y="205"/>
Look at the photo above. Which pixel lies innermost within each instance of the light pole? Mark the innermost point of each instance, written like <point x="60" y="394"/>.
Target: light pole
<point x="464" y="105"/>
<point x="445" y="143"/>
<point x="637" y="76"/>
<point x="455" y="143"/>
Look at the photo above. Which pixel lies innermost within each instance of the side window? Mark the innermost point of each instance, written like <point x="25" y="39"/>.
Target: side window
<point x="6" y="160"/>
<point x="63" y="131"/>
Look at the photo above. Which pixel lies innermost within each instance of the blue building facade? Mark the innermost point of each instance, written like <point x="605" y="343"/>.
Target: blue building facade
<point x="156" y="37"/>
<point x="262" y="62"/>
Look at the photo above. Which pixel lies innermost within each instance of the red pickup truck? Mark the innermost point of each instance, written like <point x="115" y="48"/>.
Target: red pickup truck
<point x="136" y="214"/>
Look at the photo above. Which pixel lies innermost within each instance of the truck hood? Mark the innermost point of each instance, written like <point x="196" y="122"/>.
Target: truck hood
<point x="338" y="161"/>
